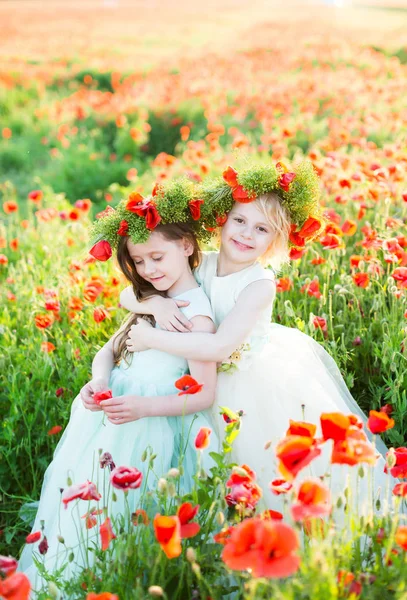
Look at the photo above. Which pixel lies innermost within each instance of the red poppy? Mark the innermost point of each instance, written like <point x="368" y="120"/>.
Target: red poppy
<point x="313" y="499"/>
<point x="267" y="547"/>
<point x="294" y="453"/>
<point x="140" y="516"/>
<point x="99" y="396"/>
<point x="202" y="439"/>
<point x="144" y="208"/>
<point x="43" y="320"/>
<point x="126" y="478"/>
<point x="284" y="284"/>
<point x="400" y="275"/>
<point x="312" y="289"/>
<point x="195" y="209"/>
<point x="101" y="596"/>
<point x="15" y="587"/>
<point x="123" y="228"/>
<point x="285" y="181"/>
<point x="353" y="451"/>
<point x="36" y="196"/>
<point x="301" y="428"/>
<point x="81" y="491"/>
<point x="239" y="194"/>
<point x="271" y="514"/>
<point x="296" y="253"/>
<point x="8" y="565"/>
<point x="54" y="430"/>
<point x="280" y="486"/>
<point x="398" y="466"/>
<point x="47" y="347"/>
<point x="10" y="206"/>
<point x="349" y="227"/>
<point x="230" y="176"/>
<point x="188" y="385"/>
<point x="168" y="534"/>
<point x="100" y="314"/>
<point x="379" y="421"/>
<point x="101" y="251"/>
<point x="401" y="536"/>
<point x="331" y="241"/>
<point x="223" y="536"/>
<point x="244" y="490"/>
<point x="361" y="279"/>
<point x="106" y="533"/>
<point x="320" y="323"/>
<point x="334" y="426"/>
<point x="221" y="220"/>
<point x="400" y="490"/>
<point x="84" y="204"/>
<point x="186" y="512"/>
<point x="90" y="517"/>
<point x="33" y="537"/>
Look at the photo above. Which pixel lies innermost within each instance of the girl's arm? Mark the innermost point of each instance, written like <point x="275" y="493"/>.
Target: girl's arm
<point x="164" y="310"/>
<point x="232" y="332"/>
<point x="124" y="409"/>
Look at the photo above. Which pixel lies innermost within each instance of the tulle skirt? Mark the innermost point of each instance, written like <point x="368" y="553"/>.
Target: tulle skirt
<point x="293" y="377"/>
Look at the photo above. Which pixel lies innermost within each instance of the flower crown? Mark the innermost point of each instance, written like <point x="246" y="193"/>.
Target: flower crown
<point x="137" y="217"/>
<point x="297" y="189"/>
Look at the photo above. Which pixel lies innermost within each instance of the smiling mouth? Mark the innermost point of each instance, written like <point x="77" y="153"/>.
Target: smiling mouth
<point x="156" y="278"/>
<point x="242" y="246"/>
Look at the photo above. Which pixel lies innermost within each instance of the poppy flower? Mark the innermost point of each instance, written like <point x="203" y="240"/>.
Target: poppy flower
<point x="400" y="489"/>
<point x="400" y="275"/>
<point x="186" y="512"/>
<point x="330" y="241"/>
<point x="239" y="194"/>
<point x="168" y="534"/>
<point x="280" y="486"/>
<point x="54" y="430"/>
<point x="334" y="426"/>
<point x="100" y="314"/>
<point x="320" y="323"/>
<point x="312" y="289"/>
<point x="126" y="478"/>
<point x="43" y="320"/>
<point x="296" y="253"/>
<point x="223" y="536"/>
<point x="47" y="347"/>
<point x="221" y="220"/>
<point x="8" y="565"/>
<point x="187" y="385"/>
<point x="99" y="396"/>
<point x="349" y="227"/>
<point x="36" y="196"/>
<point x="90" y="517"/>
<point x="15" y="587"/>
<point x="140" y="516"/>
<point x="284" y="284"/>
<point x="285" y="181"/>
<point x="102" y="251"/>
<point x="33" y="537"/>
<point x="272" y="514"/>
<point x="84" y="204"/>
<point x="10" y="206"/>
<point x="398" y="467"/>
<point x="202" y="439"/>
<point x="101" y="596"/>
<point x="230" y="176"/>
<point x="244" y="490"/>
<point x="143" y="208"/>
<point x="353" y="451"/>
<point x="313" y="499"/>
<point x="43" y="546"/>
<point x="361" y="279"/>
<point x="195" y="209"/>
<point x="401" y="536"/>
<point x="106" y="533"/>
<point x="379" y="421"/>
<point x="310" y="227"/>
<point x="301" y="428"/>
<point x="81" y="491"/>
<point x="267" y="547"/>
<point x="123" y="228"/>
<point x="294" y="453"/>
<point x="6" y="133"/>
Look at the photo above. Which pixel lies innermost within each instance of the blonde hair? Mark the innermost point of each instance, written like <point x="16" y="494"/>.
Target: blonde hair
<point x="277" y="254"/>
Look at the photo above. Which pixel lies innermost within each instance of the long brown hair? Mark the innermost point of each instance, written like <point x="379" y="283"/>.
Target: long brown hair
<point x="144" y="289"/>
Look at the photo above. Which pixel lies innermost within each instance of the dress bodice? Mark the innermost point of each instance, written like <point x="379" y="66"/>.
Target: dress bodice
<point x="223" y="293"/>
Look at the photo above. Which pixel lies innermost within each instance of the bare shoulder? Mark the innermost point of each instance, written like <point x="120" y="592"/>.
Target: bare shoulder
<point x="259" y="293"/>
<point x="203" y="323"/>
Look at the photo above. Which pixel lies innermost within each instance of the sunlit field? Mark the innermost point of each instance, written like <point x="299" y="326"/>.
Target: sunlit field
<point x="100" y="99"/>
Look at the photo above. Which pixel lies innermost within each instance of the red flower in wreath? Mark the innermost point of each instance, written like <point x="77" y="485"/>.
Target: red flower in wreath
<point x="123" y="228"/>
<point x="195" y="208"/>
<point x="285" y="181"/>
<point x="239" y="194"/>
<point x="144" y="208"/>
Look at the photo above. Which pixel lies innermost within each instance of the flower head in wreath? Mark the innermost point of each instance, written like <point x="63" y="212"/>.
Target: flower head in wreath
<point x="138" y="216"/>
<point x="297" y="188"/>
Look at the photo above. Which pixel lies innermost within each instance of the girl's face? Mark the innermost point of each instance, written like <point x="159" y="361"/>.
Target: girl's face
<point x="246" y="234"/>
<point x="161" y="262"/>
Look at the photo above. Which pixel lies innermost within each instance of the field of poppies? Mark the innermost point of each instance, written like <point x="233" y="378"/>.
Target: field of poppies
<point x="93" y="109"/>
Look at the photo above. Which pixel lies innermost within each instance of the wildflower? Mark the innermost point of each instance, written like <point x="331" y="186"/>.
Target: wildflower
<point x="168" y="534"/>
<point x="398" y="468"/>
<point x="334" y="426"/>
<point x="101" y="251"/>
<point x="15" y="587"/>
<point x="98" y="397"/>
<point x="100" y="314"/>
<point x="81" y="491"/>
<point x="54" y="430"/>
<point x="313" y="499"/>
<point x="36" y="196"/>
<point x="124" y="478"/>
<point x="202" y="439"/>
<point x="280" y="486"/>
<point x="400" y="489"/>
<point x="106" y="533"/>
<point x="106" y="460"/>
<point x="47" y="347"/>
<point x="43" y="320"/>
<point x="187" y="385"/>
<point x="294" y="453"/>
<point x="8" y="565"/>
<point x="33" y="537"/>
<point x="361" y="279"/>
<point x="10" y="206"/>
<point x="90" y="517"/>
<point x="186" y="512"/>
<point x="267" y="548"/>
<point x="301" y="428"/>
<point x="140" y="516"/>
<point x="244" y="490"/>
<point x="379" y="422"/>
<point x="195" y="209"/>
<point x="401" y="536"/>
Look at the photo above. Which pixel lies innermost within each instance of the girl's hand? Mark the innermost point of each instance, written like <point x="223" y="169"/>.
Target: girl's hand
<point x="169" y="317"/>
<point x="123" y="409"/>
<point x="90" y="388"/>
<point x="137" y="340"/>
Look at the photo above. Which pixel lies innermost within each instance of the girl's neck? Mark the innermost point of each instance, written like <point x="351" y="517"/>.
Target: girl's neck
<point x="185" y="283"/>
<point x="227" y="266"/>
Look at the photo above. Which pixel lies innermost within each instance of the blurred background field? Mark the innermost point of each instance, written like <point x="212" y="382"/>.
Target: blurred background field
<point x="98" y="99"/>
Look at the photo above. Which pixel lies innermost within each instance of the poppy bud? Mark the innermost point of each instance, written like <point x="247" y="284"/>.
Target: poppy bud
<point x="162" y="485"/>
<point x="156" y="591"/>
<point x="191" y="555"/>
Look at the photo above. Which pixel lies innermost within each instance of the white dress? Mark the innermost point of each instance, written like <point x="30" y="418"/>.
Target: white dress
<point x="278" y="374"/>
<point x="150" y="373"/>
